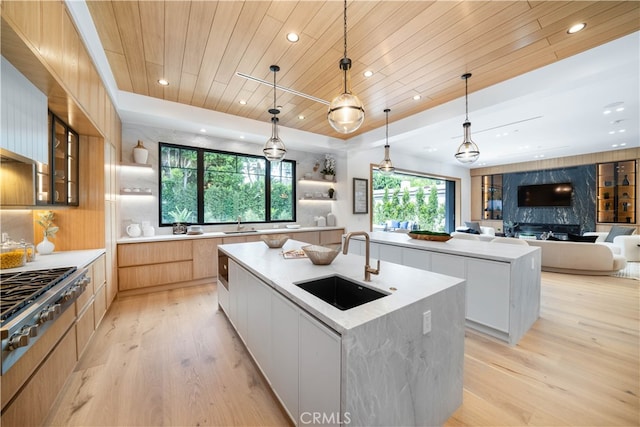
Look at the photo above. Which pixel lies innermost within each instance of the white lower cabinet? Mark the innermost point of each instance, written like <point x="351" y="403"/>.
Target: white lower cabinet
<point x="390" y="253"/>
<point x="450" y="265"/>
<point x="299" y="356"/>
<point x="259" y="322"/>
<point x="223" y="297"/>
<point x="284" y="352"/>
<point x="416" y="258"/>
<point x="488" y="292"/>
<point x="319" y="373"/>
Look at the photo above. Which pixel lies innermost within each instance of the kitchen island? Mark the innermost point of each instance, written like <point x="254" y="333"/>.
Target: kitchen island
<point x="503" y="280"/>
<point x="397" y="360"/>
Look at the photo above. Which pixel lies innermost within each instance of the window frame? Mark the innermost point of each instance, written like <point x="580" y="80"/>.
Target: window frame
<point x="200" y="174"/>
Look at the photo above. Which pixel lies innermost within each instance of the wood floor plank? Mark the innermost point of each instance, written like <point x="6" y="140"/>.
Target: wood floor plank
<point x="171" y="358"/>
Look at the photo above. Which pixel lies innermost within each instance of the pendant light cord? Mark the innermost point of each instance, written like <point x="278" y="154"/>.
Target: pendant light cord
<point x="387" y="128"/>
<point x="274" y="92"/>
<point x="345" y="28"/>
<point x="466" y="98"/>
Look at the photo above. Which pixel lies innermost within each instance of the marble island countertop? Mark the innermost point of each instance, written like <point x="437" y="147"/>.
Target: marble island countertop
<point x="467" y="248"/>
<point x="411" y="285"/>
<point x="80" y="258"/>
<point x="223" y="233"/>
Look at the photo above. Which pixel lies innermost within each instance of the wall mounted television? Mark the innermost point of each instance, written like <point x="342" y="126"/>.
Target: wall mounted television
<point x="545" y="195"/>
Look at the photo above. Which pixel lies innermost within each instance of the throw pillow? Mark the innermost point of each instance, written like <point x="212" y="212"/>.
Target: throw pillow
<point x="616" y="231"/>
<point x="473" y="225"/>
<point x="577" y="238"/>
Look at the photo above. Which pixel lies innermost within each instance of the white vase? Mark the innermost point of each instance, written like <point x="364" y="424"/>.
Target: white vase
<point x="329" y="177"/>
<point x="140" y="154"/>
<point x="45" y="247"/>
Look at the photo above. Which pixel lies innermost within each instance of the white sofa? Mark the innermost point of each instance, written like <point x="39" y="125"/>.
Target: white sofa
<point x="487" y="233"/>
<point x="578" y="257"/>
<point x="627" y="246"/>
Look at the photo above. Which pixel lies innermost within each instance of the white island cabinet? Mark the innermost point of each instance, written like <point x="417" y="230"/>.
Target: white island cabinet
<point x="375" y="364"/>
<point x="503" y="281"/>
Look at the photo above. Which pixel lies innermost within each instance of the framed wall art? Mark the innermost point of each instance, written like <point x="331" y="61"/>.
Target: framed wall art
<point x="360" y="196"/>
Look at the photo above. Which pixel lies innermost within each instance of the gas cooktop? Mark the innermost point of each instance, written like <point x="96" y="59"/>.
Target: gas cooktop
<point x="18" y="290"/>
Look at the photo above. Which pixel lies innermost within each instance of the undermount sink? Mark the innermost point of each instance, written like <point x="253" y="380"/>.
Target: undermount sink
<point x="240" y="232"/>
<point x="340" y="292"/>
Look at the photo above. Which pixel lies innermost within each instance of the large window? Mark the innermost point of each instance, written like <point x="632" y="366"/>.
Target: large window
<point x="200" y="186"/>
<point x="404" y="200"/>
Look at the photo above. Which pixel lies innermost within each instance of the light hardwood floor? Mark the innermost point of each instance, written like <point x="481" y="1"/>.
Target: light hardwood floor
<point x="171" y="358"/>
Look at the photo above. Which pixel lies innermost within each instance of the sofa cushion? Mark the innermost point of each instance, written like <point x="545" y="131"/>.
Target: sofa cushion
<point x="473" y="225"/>
<point x="586" y="239"/>
<point x="616" y="230"/>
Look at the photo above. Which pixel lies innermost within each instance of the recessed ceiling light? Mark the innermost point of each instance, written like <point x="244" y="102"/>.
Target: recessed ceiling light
<point x="614" y="145"/>
<point x="203" y="130"/>
<point x="163" y="82"/>
<point x="623" y="144"/>
<point x="368" y="73"/>
<point x="300" y="117"/>
<point x="293" y="37"/>
<point x="575" y="28"/>
<point x="430" y="149"/>
<point x="243" y="102"/>
<point x="605" y="112"/>
<point x="611" y="132"/>
<point x="417" y="97"/>
<point x="622" y="131"/>
<point x="241" y="136"/>
<point x="620" y="109"/>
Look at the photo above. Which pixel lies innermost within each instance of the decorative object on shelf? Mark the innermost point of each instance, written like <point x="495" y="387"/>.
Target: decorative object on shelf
<point x="346" y="113"/>
<point x="274" y="149"/>
<point x="140" y="154"/>
<point x="147" y="229"/>
<point x="134" y="230"/>
<point x="429" y="235"/>
<point x="329" y="170"/>
<point x="316" y="166"/>
<point x="360" y="196"/>
<point x="331" y="220"/>
<point x="625" y="181"/>
<point x="385" y="166"/>
<point x="331" y="192"/>
<point x="467" y="151"/>
<point x="606" y="195"/>
<point x="45" y="220"/>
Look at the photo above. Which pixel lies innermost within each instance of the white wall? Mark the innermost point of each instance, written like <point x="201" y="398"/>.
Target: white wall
<point x="358" y="165"/>
<point x="135" y="208"/>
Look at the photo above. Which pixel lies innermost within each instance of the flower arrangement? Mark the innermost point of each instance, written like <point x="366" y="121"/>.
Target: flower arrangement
<point x="329" y="165"/>
<point x="46" y="222"/>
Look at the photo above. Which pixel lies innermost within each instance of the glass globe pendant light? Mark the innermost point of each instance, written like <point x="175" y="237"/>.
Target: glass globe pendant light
<point x="346" y="112"/>
<point x="467" y="151"/>
<point x="274" y="149"/>
<point x="385" y="166"/>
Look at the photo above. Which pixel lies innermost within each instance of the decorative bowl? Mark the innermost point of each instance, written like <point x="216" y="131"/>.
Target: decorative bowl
<point x="274" y="240"/>
<point x="429" y="235"/>
<point x="322" y="255"/>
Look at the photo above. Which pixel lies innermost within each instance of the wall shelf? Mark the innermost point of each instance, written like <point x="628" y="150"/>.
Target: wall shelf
<point x="315" y="181"/>
<point x="136" y="165"/>
<point x="322" y="199"/>
<point x="136" y="192"/>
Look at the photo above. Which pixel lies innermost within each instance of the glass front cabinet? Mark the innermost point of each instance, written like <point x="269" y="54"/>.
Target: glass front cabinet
<point x="616" y="200"/>
<point x="57" y="181"/>
<point x="492" y="197"/>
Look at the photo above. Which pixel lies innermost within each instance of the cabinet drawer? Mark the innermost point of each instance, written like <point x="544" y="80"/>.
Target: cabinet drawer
<point x="331" y="236"/>
<point x="84" y="329"/>
<point x="99" y="305"/>
<point x="99" y="275"/>
<point x="84" y="298"/>
<point x="154" y="275"/>
<point x="311" y="237"/>
<point x="154" y="253"/>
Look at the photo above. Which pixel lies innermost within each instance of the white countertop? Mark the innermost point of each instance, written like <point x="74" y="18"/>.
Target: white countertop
<point x="78" y="259"/>
<point x="468" y="248"/>
<point x="269" y="265"/>
<point x="220" y="234"/>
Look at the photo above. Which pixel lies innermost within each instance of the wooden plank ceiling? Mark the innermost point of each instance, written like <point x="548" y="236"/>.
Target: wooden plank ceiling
<point x="413" y="48"/>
